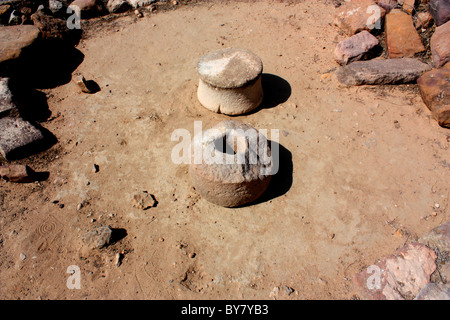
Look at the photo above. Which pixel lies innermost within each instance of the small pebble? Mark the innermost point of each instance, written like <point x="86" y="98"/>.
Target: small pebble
<point x="22" y="256"/>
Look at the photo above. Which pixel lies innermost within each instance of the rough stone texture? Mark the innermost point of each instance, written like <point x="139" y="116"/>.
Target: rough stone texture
<point x="423" y="20"/>
<point x="433" y="291"/>
<point x="117" y="5"/>
<point x="144" y="200"/>
<point x="438" y="238"/>
<point x="387" y="5"/>
<point x="55" y="6"/>
<point x="6" y="98"/>
<point x="401" y="276"/>
<point x="440" y="45"/>
<point x="229" y="68"/>
<point x="98" y="238"/>
<point x="382" y="71"/>
<point x="230" y="81"/>
<point x="409" y="6"/>
<point x="434" y="87"/>
<point x="402" y="37"/>
<point x="355" y="48"/>
<point x="50" y="27"/>
<point x="238" y="176"/>
<point x="140" y="3"/>
<point x="16" y="173"/>
<point x="354" y="17"/>
<point x="14" y="39"/>
<point x="440" y="10"/>
<point x="17" y="135"/>
<point x="81" y="83"/>
<point x="87" y="7"/>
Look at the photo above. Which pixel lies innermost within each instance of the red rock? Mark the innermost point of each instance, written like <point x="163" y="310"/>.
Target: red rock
<point x="423" y="20"/>
<point x="402" y="37"/>
<point x="434" y="87"/>
<point x="16" y="173"/>
<point x="397" y="277"/>
<point x="356" y="16"/>
<point x="355" y="48"/>
<point x="440" y="45"/>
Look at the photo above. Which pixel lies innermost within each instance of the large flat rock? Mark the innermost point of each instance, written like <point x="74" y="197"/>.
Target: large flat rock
<point x="401" y="34"/>
<point x="382" y="71"/>
<point x="14" y="39"/>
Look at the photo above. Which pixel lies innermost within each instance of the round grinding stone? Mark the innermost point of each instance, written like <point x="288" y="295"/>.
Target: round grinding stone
<point x="235" y="164"/>
<point x="230" y="81"/>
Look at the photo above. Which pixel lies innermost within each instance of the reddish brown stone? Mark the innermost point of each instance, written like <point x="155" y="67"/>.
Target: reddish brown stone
<point x="423" y="20"/>
<point x="402" y="37"/>
<point x="434" y="87"/>
<point x="409" y="5"/>
<point x="16" y="173"/>
<point x="440" y="45"/>
<point x="397" y="277"/>
<point x="356" y="16"/>
<point x="355" y="48"/>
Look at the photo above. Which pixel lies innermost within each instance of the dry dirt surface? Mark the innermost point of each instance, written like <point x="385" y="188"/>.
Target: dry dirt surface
<point x="361" y="168"/>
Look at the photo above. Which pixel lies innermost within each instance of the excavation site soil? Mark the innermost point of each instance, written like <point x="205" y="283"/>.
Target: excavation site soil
<point x="361" y="168"/>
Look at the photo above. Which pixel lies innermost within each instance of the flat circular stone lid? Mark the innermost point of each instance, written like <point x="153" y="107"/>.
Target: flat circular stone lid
<point x="229" y="68"/>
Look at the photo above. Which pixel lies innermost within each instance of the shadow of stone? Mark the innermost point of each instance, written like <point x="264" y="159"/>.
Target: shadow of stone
<point x="117" y="235"/>
<point x="31" y="104"/>
<point x="282" y="180"/>
<point x="92" y="86"/>
<point x="276" y="90"/>
<point x="45" y="65"/>
<point x="48" y="141"/>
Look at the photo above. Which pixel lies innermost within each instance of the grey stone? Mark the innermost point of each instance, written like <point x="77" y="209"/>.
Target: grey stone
<point x="382" y="71"/>
<point x="355" y="48"/>
<point x="55" y="5"/>
<point x="438" y="238"/>
<point x="434" y="291"/>
<point x="229" y="68"/>
<point x="117" y="5"/>
<point x="440" y="10"/>
<point x="6" y="98"/>
<point x="140" y="3"/>
<point x="98" y="238"/>
<point x="18" y="136"/>
<point x="235" y="168"/>
<point x="15" y="18"/>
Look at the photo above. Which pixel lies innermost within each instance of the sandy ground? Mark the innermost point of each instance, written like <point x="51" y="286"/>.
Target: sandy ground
<point x="361" y="168"/>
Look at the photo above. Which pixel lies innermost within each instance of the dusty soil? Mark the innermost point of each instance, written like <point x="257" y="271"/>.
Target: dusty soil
<point x="361" y="168"/>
